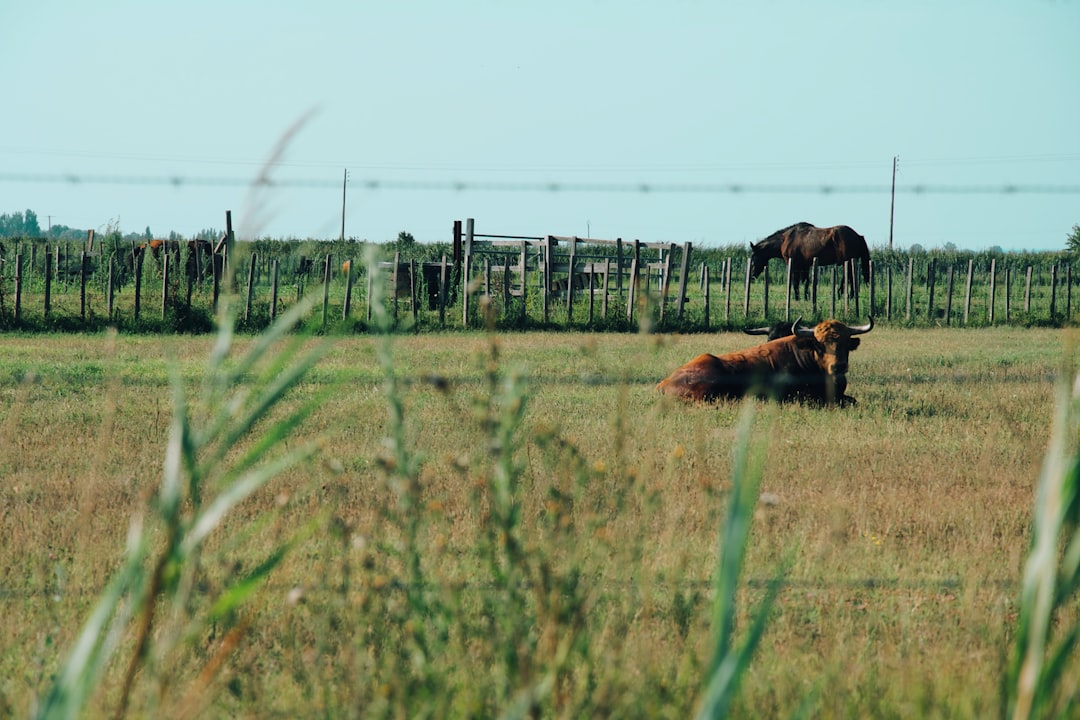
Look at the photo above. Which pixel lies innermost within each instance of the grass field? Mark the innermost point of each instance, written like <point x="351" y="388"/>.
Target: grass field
<point x="526" y="525"/>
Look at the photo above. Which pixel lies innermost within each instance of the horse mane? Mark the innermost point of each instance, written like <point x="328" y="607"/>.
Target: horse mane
<point x="804" y="226"/>
<point x="778" y="237"/>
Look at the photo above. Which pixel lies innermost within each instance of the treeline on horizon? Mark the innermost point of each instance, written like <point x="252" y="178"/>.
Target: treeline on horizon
<point x="25" y="226"/>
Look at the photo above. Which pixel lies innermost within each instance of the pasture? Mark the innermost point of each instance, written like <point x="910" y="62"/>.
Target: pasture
<point x="412" y="587"/>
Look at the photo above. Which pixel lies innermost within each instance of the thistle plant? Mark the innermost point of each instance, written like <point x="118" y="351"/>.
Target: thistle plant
<point x="220" y="451"/>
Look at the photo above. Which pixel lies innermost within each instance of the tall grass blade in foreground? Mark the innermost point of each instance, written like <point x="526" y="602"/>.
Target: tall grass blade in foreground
<point x="151" y="603"/>
<point x="729" y="663"/>
<point x="1041" y="680"/>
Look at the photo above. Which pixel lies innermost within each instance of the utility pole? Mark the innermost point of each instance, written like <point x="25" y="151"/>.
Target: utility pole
<point x="892" y="202"/>
<point x="344" y="182"/>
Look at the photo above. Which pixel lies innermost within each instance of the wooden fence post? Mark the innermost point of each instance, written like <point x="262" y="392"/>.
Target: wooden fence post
<point x="910" y="275"/>
<point x="684" y="271"/>
<point x="350" y="283"/>
<point x="590" y="278"/>
<point x="846" y="284"/>
<point x="787" y="295"/>
<point x="112" y="275"/>
<point x="250" y="285"/>
<point x="888" y="292"/>
<point x="466" y="272"/>
<point x="967" y="292"/>
<point x="273" y="289"/>
<point x="1068" y="291"/>
<point x="442" y="291"/>
<point x="639" y="296"/>
<point x="604" y="297"/>
<point x="394" y="282"/>
<point x="82" y="283"/>
<point x="570" y="282"/>
<point x="546" y="274"/>
<point x="856" y="287"/>
<point x="727" y="285"/>
<point x="948" y="296"/>
<point x="632" y="294"/>
<point x="326" y="289"/>
<point x="746" y="291"/>
<point x="1053" y="290"/>
<point x="765" y="292"/>
<point x="870" y="288"/>
<point x="665" y="282"/>
<point x="18" y="286"/>
<point x="993" y="272"/>
<point x="523" y="258"/>
<point x="164" y="283"/>
<point x="413" y="290"/>
<point x="227" y="256"/>
<point x="832" y="292"/>
<point x="618" y="265"/>
<point x="705" y="278"/>
<point x="930" y="290"/>
<point x="48" y="280"/>
<point x="1008" y="285"/>
<point x="1027" y="292"/>
<point x="139" y="258"/>
<point x="189" y="259"/>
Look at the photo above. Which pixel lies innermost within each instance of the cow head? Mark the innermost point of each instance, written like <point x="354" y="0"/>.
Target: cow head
<point x="830" y="341"/>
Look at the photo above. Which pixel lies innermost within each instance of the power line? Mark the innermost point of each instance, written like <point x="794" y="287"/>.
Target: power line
<point x="181" y="181"/>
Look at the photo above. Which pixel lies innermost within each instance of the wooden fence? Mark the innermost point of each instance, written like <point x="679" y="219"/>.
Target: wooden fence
<point x="525" y="281"/>
<point x="569" y="270"/>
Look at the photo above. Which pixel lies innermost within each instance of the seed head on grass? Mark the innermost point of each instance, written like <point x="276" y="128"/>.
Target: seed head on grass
<point x="151" y="598"/>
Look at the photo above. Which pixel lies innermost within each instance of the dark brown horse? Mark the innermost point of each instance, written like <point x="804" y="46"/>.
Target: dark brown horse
<point x="802" y="243"/>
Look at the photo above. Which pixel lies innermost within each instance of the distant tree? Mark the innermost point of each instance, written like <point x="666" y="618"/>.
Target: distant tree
<point x="148" y="235"/>
<point x="1072" y="243"/>
<point x="31" y="228"/>
<point x="405" y="240"/>
<point x="917" y="249"/>
<point x="63" y="232"/>
<point x="950" y="247"/>
<point x="996" y="250"/>
<point x="11" y="224"/>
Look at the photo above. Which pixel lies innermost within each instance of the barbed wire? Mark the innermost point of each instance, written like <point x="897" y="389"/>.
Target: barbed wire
<point x="181" y="181"/>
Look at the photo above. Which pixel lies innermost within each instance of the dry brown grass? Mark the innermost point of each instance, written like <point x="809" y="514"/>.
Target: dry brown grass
<point x="908" y="516"/>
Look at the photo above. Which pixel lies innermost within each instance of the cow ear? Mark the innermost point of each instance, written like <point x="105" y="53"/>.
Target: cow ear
<point x="852" y="344"/>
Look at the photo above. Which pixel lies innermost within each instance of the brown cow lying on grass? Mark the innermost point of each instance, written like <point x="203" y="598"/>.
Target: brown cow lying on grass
<point x="811" y="364"/>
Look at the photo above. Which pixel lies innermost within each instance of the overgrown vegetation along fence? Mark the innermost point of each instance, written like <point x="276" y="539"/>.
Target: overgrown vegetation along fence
<point x="513" y="282"/>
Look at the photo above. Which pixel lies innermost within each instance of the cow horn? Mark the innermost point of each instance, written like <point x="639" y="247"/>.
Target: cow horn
<point x="757" y="331"/>
<point x="860" y="329"/>
<point x="801" y="331"/>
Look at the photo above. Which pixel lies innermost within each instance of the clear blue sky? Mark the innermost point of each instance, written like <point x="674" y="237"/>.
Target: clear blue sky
<point x="595" y="97"/>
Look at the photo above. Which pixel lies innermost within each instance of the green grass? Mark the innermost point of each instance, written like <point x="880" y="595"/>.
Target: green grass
<point x="517" y="524"/>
